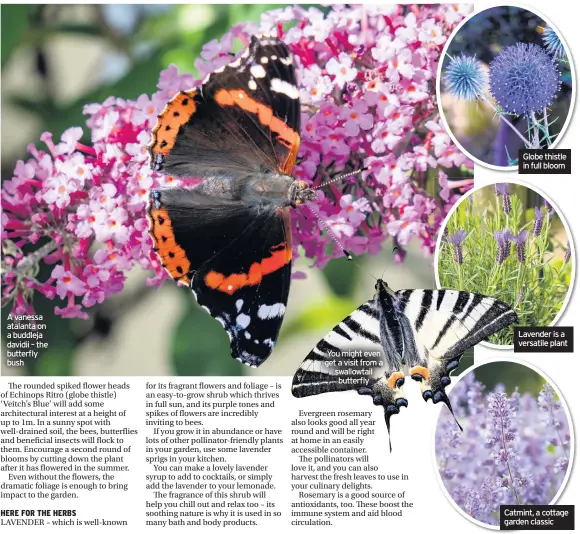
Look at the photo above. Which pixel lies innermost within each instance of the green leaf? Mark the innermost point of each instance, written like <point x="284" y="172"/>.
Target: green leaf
<point x="200" y="345"/>
<point x="15" y="26"/>
<point x="321" y="315"/>
<point x="342" y="275"/>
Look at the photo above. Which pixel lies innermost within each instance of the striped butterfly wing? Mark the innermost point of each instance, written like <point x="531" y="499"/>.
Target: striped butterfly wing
<point x="444" y="325"/>
<point x="324" y="369"/>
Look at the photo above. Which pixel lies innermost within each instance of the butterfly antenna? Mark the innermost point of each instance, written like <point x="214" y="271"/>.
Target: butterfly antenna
<point x="341" y="177"/>
<point x="387" y="266"/>
<point x="348" y="255"/>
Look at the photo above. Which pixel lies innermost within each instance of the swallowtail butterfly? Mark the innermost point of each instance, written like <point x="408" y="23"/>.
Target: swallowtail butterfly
<point x="418" y="333"/>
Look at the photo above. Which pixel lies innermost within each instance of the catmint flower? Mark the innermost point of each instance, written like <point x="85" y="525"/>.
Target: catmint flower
<point x="520" y="241"/>
<point x="456" y="239"/>
<point x="553" y="43"/>
<point x="524" y="79"/>
<point x="503" y="455"/>
<point x="539" y="222"/>
<point x="465" y="78"/>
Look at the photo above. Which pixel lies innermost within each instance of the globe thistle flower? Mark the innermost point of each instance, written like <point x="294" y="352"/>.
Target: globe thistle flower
<point x="553" y="43"/>
<point x="465" y="78"/>
<point x="524" y="79"/>
<point x="456" y="239"/>
<point x="539" y="216"/>
<point x="520" y="241"/>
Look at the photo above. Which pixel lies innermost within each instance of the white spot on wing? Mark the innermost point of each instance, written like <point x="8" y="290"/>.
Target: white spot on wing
<point x="280" y="86"/>
<point x="239" y="304"/>
<point x="221" y="69"/>
<point x="247" y="335"/>
<point x="257" y="71"/>
<point x="275" y="310"/>
<point x="264" y="60"/>
<point x="243" y="320"/>
<point x="286" y="60"/>
<point x="236" y="63"/>
<point x="252" y="85"/>
<point x="268" y="342"/>
<point x="274" y="57"/>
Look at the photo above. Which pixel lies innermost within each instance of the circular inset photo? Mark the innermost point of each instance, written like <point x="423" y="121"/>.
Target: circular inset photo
<point x="516" y="446"/>
<point x="509" y="242"/>
<point x="505" y="83"/>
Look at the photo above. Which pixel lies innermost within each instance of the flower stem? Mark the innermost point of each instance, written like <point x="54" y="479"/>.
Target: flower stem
<point x="516" y="131"/>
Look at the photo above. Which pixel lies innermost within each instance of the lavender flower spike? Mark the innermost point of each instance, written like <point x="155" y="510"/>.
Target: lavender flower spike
<point x="568" y="253"/>
<point x="539" y="215"/>
<point x="503" y="191"/>
<point x="456" y="239"/>
<point x="520" y="241"/>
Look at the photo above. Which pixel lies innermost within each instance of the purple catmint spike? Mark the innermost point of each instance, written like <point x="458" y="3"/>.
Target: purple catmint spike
<point x="456" y="239"/>
<point x="539" y="215"/>
<point x="568" y="253"/>
<point x="520" y="241"/>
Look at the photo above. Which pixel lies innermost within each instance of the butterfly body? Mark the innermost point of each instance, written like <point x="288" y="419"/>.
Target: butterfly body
<point x="417" y="333"/>
<point x="229" y="237"/>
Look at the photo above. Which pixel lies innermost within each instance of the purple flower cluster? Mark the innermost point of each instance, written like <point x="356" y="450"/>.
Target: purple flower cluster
<point x="524" y="79"/>
<point x="514" y="448"/>
<point x="366" y="76"/>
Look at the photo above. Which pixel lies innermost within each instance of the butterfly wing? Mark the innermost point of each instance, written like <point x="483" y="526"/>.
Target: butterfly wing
<point x="236" y="261"/>
<point x="329" y="366"/>
<point x="444" y="324"/>
<point x="246" y="115"/>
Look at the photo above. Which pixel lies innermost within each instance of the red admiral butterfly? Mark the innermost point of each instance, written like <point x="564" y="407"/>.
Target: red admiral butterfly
<point x="229" y="237"/>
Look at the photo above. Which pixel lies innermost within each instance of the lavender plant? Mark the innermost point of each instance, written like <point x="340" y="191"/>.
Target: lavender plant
<point x="515" y="449"/>
<point x="520" y="84"/>
<point x="500" y="247"/>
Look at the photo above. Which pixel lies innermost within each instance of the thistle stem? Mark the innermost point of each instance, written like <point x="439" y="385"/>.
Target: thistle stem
<point x="516" y="131"/>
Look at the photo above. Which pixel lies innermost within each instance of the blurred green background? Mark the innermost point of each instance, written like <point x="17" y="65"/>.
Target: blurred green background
<point x="512" y="375"/>
<point x="56" y="59"/>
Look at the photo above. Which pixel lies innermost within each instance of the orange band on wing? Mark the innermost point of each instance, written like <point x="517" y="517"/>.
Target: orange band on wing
<point x="280" y="256"/>
<point x="419" y="370"/>
<point x="177" y="113"/>
<point x="392" y="380"/>
<point x="286" y="135"/>
<point x="172" y="256"/>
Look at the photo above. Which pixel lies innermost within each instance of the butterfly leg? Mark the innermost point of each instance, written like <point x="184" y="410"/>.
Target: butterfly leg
<point x="434" y="380"/>
<point x="387" y="392"/>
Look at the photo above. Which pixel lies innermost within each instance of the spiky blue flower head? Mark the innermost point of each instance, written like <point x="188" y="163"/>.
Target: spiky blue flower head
<point x="465" y="78"/>
<point x="552" y="43"/>
<point x="524" y="79"/>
